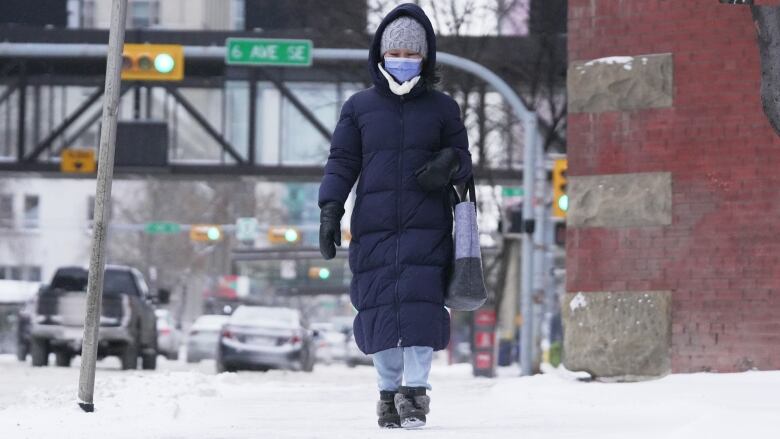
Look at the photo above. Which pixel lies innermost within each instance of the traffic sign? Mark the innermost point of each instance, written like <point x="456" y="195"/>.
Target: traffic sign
<point x="162" y="228"/>
<point x="269" y="52"/>
<point x="247" y="229"/>
<point x="512" y="191"/>
<point x="78" y="161"/>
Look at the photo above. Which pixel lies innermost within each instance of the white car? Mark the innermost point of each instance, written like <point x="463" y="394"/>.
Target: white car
<point x="331" y="344"/>
<point x="168" y="336"/>
<point x="203" y="337"/>
<point x="355" y="356"/>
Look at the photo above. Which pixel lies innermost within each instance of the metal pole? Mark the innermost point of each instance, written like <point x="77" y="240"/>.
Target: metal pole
<point x="527" y="251"/>
<point x="97" y="261"/>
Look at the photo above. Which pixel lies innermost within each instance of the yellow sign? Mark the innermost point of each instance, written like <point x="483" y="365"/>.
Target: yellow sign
<point x="560" y="203"/>
<point x="78" y="161"/>
<point x="153" y="62"/>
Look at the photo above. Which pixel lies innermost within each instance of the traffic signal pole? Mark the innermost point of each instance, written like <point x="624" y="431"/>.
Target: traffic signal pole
<point x="105" y="173"/>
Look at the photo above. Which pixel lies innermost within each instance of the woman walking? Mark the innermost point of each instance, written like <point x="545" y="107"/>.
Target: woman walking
<point x="407" y="144"/>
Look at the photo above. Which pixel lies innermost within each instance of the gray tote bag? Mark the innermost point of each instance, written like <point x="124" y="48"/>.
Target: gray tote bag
<point x="466" y="290"/>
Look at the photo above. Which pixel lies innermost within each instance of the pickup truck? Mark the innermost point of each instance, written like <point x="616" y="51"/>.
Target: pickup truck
<point x="128" y="325"/>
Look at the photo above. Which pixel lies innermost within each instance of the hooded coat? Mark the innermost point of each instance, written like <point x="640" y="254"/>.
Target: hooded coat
<point x="401" y="250"/>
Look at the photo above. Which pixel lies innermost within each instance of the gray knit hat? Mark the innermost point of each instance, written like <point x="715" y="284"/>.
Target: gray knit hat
<point x="405" y="33"/>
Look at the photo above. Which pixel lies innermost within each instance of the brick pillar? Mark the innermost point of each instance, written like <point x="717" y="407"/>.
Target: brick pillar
<point x="674" y="227"/>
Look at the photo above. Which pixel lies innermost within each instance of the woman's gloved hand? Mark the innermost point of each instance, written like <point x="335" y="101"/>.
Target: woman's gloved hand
<point x="437" y="173"/>
<point x="330" y="228"/>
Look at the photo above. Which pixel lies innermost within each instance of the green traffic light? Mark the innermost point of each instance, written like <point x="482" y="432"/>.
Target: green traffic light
<point x="164" y="63"/>
<point x="213" y="233"/>
<point x="324" y="273"/>
<point x="563" y="203"/>
<point x="291" y="235"/>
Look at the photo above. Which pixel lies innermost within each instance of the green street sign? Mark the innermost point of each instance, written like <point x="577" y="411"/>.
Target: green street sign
<point x="268" y="52"/>
<point x="512" y="191"/>
<point x="162" y="228"/>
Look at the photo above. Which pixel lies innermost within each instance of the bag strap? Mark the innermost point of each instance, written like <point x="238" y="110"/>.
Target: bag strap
<point x="469" y="192"/>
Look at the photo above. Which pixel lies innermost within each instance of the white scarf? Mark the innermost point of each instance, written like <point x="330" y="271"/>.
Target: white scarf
<point x="395" y="87"/>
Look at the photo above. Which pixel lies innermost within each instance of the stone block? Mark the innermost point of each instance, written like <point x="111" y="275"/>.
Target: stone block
<point x="620" y="200"/>
<point x="621" y="83"/>
<point x="621" y="336"/>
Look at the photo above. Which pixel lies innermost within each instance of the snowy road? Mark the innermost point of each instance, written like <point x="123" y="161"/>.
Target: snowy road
<point x="186" y="402"/>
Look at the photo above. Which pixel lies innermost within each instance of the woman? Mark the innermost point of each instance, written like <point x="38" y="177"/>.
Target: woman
<point x="407" y="143"/>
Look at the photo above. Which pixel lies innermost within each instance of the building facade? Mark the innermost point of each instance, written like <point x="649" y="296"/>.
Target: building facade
<point x="673" y="235"/>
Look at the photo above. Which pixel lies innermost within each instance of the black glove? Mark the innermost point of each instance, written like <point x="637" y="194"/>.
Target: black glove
<point x="330" y="228"/>
<point x="437" y="173"/>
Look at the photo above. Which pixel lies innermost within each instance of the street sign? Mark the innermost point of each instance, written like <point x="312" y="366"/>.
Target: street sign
<point x="162" y="228"/>
<point x="247" y="229"/>
<point x="78" y="161"/>
<point x="268" y="52"/>
<point x="512" y="191"/>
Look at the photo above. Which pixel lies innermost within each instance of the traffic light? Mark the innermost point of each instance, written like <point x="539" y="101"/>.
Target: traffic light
<point x="320" y="273"/>
<point x="560" y="198"/>
<point x="153" y="62"/>
<point x="206" y="233"/>
<point x="284" y="235"/>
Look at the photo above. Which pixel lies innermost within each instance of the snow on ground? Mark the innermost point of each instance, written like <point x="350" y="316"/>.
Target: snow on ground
<point x="188" y="402"/>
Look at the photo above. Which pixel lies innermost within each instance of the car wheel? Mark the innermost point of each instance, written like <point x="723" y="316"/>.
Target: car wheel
<point x="149" y="361"/>
<point x="22" y="350"/>
<point x="173" y="356"/>
<point x="62" y="358"/>
<point x="39" y="350"/>
<point x="129" y="357"/>
<point x="222" y="367"/>
<point x="191" y="359"/>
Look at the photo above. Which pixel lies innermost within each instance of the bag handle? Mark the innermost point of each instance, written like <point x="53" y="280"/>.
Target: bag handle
<point x="469" y="192"/>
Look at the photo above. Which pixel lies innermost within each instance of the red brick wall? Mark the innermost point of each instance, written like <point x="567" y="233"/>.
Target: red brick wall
<point x="721" y="255"/>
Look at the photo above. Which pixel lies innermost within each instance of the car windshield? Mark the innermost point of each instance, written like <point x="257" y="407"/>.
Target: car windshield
<point x="256" y="315"/>
<point x="75" y="279"/>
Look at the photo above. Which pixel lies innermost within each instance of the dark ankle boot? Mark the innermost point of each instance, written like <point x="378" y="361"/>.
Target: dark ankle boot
<point x="385" y="409"/>
<point x="412" y="404"/>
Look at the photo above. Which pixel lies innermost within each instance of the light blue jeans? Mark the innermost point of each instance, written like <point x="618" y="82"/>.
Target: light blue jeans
<point x="409" y="366"/>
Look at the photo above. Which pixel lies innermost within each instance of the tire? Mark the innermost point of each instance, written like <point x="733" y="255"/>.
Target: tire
<point x="351" y="364"/>
<point x="63" y="359"/>
<point x="173" y="356"/>
<point x="39" y="350"/>
<point x="222" y="367"/>
<point x="129" y="357"/>
<point x="22" y="350"/>
<point x="149" y="361"/>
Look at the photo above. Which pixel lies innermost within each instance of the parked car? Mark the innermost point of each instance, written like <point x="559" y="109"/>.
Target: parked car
<point x="331" y="344"/>
<point x="262" y="338"/>
<point x="354" y="355"/>
<point x="168" y="335"/>
<point x="128" y="326"/>
<point x="16" y="298"/>
<point x="203" y="337"/>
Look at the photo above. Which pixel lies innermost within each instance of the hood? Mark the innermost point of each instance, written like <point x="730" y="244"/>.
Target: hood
<point x="374" y="57"/>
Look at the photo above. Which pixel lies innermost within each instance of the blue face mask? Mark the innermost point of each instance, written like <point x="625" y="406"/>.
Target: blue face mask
<point x="403" y="69"/>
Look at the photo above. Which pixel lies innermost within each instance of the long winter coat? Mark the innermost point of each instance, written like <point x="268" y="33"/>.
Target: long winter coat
<point x="401" y="249"/>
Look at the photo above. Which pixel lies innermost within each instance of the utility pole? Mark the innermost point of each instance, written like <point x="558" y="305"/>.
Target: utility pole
<point x="527" y="249"/>
<point x="97" y="262"/>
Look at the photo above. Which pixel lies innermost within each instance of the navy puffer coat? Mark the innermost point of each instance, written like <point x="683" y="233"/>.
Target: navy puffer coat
<point x="401" y="249"/>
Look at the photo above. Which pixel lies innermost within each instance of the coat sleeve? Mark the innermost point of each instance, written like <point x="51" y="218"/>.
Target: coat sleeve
<point x="345" y="159"/>
<point x="454" y="136"/>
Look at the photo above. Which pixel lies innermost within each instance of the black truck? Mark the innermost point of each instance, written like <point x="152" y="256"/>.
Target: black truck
<point x="128" y="326"/>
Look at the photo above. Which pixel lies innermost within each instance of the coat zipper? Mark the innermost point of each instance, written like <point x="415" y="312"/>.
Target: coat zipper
<point x="400" y="225"/>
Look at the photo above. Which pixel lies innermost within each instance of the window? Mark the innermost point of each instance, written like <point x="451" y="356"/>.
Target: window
<point x="34" y="273"/>
<point x="88" y="14"/>
<point x="6" y="211"/>
<point x="143" y="14"/>
<point x="31" y="212"/>
<point x="16" y="273"/>
<point x="238" y="14"/>
<point x="301" y="143"/>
